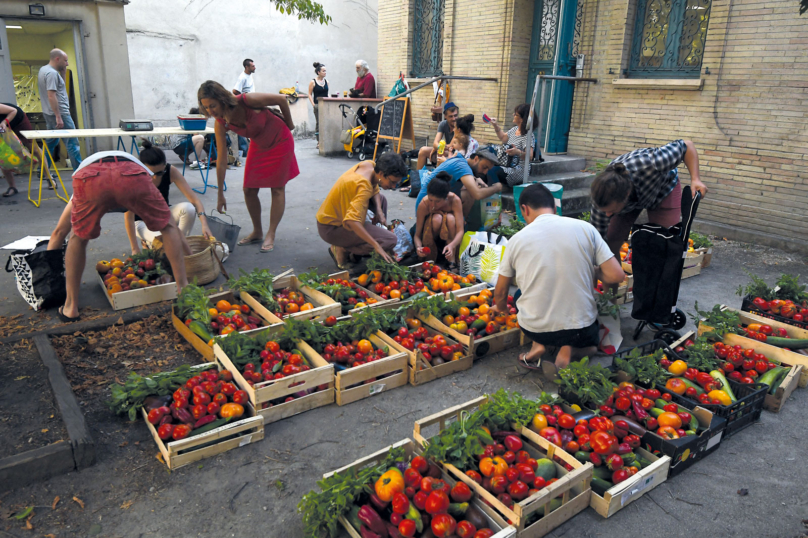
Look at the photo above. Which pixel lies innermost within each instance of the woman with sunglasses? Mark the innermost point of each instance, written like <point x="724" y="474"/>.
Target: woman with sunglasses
<point x="184" y="213"/>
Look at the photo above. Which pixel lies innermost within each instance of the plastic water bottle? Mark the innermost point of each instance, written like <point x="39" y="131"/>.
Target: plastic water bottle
<point x="441" y="147"/>
<point x="297" y="87"/>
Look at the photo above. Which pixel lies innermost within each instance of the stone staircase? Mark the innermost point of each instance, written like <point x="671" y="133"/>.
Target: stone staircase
<point x="563" y="170"/>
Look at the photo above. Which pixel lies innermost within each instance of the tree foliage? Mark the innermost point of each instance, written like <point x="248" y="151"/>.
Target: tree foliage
<point x="304" y="9"/>
<point x="803" y="6"/>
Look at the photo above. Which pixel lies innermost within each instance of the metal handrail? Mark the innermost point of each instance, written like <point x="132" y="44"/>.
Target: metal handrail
<point x="429" y="83"/>
<point x="539" y="80"/>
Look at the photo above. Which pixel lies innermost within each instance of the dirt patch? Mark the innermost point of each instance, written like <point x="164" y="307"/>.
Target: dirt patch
<point x="94" y="360"/>
<point x="30" y="417"/>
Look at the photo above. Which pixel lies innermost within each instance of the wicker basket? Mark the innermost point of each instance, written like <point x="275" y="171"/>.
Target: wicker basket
<point x="203" y="265"/>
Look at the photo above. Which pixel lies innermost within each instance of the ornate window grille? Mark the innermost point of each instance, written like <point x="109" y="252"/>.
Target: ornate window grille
<point x="669" y="38"/>
<point x="428" y="38"/>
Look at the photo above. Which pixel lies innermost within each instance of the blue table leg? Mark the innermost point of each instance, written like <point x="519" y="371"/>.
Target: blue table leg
<point x="120" y="146"/>
<point x="134" y="147"/>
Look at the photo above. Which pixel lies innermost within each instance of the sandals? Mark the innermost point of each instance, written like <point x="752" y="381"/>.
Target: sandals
<point x="67" y="319"/>
<point x="524" y="364"/>
<point x="244" y="242"/>
<point x="264" y="250"/>
<point x="8" y="193"/>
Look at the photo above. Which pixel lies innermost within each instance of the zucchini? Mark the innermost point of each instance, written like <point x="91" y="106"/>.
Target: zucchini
<point x="602" y="472"/>
<point x="208" y="427"/>
<point x="600" y="486"/>
<point x="773" y="376"/>
<point x="200" y="330"/>
<point x="419" y="295"/>
<point x="478" y="324"/>
<point x="777" y="384"/>
<point x="790" y="343"/>
<point x="689" y="383"/>
<point x="715" y="374"/>
<point x="582" y="456"/>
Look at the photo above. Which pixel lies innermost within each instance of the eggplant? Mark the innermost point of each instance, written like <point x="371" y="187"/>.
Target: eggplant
<point x="584" y="414"/>
<point x="153" y="402"/>
<point x="475" y="517"/>
<point x="633" y="425"/>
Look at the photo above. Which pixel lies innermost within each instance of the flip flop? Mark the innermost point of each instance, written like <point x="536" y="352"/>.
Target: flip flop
<point x="67" y="319"/>
<point x="245" y="241"/>
<point x="8" y="193"/>
<point x="549" y="370"/>
<point x="524" y="364"/>
<point x="265" y="250"/>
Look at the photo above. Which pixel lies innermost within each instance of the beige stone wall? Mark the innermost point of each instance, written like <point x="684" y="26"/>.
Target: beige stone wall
<point x="748" y="120"/>
<point x="482" y="38"/>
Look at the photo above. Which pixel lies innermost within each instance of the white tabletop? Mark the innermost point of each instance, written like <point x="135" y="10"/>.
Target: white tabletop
<point x="99" y="133"/>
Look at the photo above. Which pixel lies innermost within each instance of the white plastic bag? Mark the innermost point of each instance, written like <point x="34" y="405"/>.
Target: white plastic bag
<point x="609" y="336"/>
<point x="481" y="255"/>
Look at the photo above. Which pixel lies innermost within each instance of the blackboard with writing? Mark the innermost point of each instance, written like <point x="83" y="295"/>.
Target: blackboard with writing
<point x="392" y="118"/>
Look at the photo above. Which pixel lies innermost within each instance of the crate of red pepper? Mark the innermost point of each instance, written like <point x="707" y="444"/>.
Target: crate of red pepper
<point x="207" y="416"/>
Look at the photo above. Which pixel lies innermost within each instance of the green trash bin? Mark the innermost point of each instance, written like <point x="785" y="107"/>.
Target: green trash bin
<point x="555" y="189"/>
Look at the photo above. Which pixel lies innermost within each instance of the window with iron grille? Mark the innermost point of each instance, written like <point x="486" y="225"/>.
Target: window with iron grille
<point x="428" y="38"/>
<point x="669" y="38"/>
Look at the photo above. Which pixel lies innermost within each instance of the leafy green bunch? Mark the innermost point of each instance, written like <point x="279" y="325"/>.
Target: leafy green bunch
<point x="321" y="510"/>
<point x="700" y="240"/>
<point x="192" y="303"/>
<point x="509" y="230"/>
<point x="757" y="288"/>
<point x="259" y="283"/>
<point x="701" y="355"/>
<point x="605" y="305"/>
<point x="389" y="271"/>
<point x="241" y="349"/>
<point x="722" y="321"/>
<point x="591" y="384"/>
<point x="128" y="398"/>
<point x="790" y="288"/>
<point x="644" y="368"/>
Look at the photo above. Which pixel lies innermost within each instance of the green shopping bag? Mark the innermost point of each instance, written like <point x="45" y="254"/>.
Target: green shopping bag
<point x="14" y="157"/>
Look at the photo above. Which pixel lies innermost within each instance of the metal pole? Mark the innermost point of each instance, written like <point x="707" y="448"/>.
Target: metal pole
<point x="530" y="116"/>
<point x="429" y="83"/>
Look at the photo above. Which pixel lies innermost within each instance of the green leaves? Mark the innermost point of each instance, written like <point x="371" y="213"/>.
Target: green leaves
<point x="605" y="305"/>
<point x="259" y="283"/>
<point x="700" y="240"/>
<point x="389" y="271"/>
<point x="321" y="509"/>
<point x="510" y="230"/>
<point x="722" y="321"/>
<point x="591" y="384"/>
<point x="701" y="355"/>
<point x="790" y="288"/>
<point x="645" y="369"/>
<point x="758" y="288"/>
<point x="192" y="303"/>
<point x="304" y="9"/>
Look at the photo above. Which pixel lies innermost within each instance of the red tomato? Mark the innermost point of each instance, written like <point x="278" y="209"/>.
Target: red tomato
<point x="518" y="490"/>
<point x="240" y="397"/>
<point x="412" y="477"/>
<point x="465" y="530"/>
<point x="603" y="442"/>
<point x="474" y="475"/>
<point x="443" y="525"/>
<point x="566" y="421"/>
<point x="437" y="503"/>
<point x="407" y="528"/>
<point x="460" y="492"/>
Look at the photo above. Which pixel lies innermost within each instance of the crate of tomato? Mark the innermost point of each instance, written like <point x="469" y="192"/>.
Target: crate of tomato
<point x="396" y="492"/>
<point x="468" y="319"/>
<point x="340" y="288"/>
<point x="527" y="479"/>
<point x="364" y="365"/>
<point x="192" y="413"/>
<point x="276" y="298"/>
<point x="199" y="317"/>
<point x="281" y="375"/>
<point x="786" y="303"/>
<point x="439" y="280"/>
<point x="142" y="279"/>
<point x="390" y="281"/>
<point x="431" y="354"/>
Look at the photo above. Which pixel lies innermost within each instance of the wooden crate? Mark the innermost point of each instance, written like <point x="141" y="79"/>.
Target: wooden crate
<point x="132" y="298"/>
<point x="573" y="487"/>
<point x="628" y="491"/>
<point x="480" y="347"/>
<point x="692" y="267"/>
<point x="195" y="340"/>
<point x="788" y="358"/>
<point x="324" y="305"/>
<point x="749" y="317"/>
<point x="774" y="402"/>
<point x="421" y="371"/>
<point x="495" y="521"/>
<point x="178" y="453"/>
<point x="396" y="364"/>
<point x="344" y="275"/>
<point x="463" y="291"/>
<point x="708" y="256"/>
<point x="322" y="373"/>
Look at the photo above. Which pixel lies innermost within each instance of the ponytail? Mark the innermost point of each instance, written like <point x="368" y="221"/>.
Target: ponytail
<point x="611" y="185"/>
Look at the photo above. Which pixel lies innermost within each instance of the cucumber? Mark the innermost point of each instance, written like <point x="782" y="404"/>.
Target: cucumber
<point x="478" y="324"/>
<point x="600" y="486"/>
<point x="208" y="427"/>
<point x="660" y="403"/>
<point x="772" y="377"/>
<point x="790" y="343"/>
<point x="689" y="383"/>
<point x="656" y="411"/>
<point x="602" y="472"/>
<point x="776" y="385"/>
<point x="582" y="456"/>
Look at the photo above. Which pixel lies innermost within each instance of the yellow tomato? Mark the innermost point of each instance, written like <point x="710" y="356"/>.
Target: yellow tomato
<point x="463" y="311"/>
<point x="677" y="367"/>
<point x="213" y="312"/>
<point x="721" y="396"/>
<point x="539" y="421"/>
<point x="448" y="320"/>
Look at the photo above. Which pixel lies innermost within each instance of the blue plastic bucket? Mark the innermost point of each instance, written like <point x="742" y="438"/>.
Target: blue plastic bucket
<point x="554" y="188"/>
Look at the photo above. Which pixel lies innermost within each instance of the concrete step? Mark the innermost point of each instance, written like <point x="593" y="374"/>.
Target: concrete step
<point x="573" y="201"/>
<point x="569" y="180"/>
<point x="554" y="164"/>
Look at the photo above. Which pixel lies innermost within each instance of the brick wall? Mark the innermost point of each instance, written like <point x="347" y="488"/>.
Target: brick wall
<point x="483" y="38"/>
<point x="748" y="121"/>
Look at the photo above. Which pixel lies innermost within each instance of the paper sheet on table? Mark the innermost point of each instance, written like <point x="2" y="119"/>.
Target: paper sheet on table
<point x="26" y="243"/>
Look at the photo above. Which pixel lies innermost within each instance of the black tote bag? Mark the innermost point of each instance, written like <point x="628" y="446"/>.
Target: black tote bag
<point x="40" y="275"/>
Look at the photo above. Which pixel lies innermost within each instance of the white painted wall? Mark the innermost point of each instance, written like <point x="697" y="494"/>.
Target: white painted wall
<point x="175" y="46"/>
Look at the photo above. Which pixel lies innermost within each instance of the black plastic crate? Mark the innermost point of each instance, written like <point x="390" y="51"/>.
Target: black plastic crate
<point x="739" y="415"/>
<point x="748" y="306"/>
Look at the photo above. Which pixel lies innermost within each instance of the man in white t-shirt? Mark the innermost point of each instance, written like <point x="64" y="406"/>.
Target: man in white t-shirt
<point x="245" y="84"/>
<point x="555" y="261"/>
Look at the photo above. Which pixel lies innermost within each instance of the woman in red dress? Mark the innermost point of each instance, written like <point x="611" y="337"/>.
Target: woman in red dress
<point x="271" y="159"/>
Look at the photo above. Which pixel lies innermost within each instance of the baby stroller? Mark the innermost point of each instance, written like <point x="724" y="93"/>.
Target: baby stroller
<point x="361" y="138"/>
<point x="658" y="257"/>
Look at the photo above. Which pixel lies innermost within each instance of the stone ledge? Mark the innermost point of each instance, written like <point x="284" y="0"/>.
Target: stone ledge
<point x="690" y="84"/>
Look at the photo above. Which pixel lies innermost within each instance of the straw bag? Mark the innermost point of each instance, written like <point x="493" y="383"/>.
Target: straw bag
<point x="203" y="265"/>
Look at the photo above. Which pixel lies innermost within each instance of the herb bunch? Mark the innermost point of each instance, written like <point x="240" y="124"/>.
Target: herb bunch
<point x="591" y="384"/>
<point x="192" y="303"/>
<point x="790" y="288"/>
<point x="258" y="283"/>
<point x="644" y="368"/>
<point x="722" y="322"/>
<point x="757" y="288"/>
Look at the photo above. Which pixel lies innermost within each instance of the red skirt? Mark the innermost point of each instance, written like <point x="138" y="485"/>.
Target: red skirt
<point x="270" y="168"/>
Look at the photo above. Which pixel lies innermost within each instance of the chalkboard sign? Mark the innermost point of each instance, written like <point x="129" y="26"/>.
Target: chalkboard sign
<point x="392" y="117"/>
<point x="395" y="123"/>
